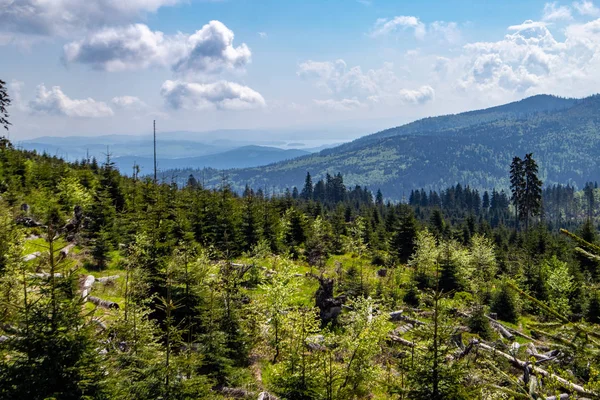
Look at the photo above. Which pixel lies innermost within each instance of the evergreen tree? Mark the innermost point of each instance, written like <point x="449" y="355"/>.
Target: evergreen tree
<point x="307" y="190"/>
<point x="4" y="104"/>
<point x="403" y="239"/>
<point x="504" y="304"/>
<point x="531" y="204"/>
<point x="518" y="185"/>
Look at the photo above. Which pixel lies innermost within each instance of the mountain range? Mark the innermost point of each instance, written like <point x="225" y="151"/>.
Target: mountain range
<point x="215" y="149"/>
<point x="473" y="148"/>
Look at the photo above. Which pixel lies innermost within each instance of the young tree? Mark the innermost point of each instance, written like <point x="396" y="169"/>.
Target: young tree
<point x="434" y="376"/>
<point x="561" y="285"/>
<point x="55" y="353"/>
<point x="403" y="239"/>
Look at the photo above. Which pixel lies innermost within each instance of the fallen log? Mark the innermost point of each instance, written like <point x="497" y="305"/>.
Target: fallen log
<point x="398" y="339"/>
<point x="525" y="365"/>
<point x="107" y="279"/>
<point x="32" y="256"/>
<point x="86" y="286"/>
<point x="267" y="396"/>
<point x="46" y="275"/>
<point x="64" y="252"/>
<point x="399" y="316"/>
<point x="102" y="303"/>
<point x="503" y="331"/>
<point x="237" y="393"/>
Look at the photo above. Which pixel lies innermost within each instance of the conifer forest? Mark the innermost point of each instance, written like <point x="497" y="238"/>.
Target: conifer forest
<point x="131" y="287"/>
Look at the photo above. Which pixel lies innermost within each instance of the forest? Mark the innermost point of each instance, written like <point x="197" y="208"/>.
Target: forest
<point x="472" y="148"/>
<point x="115" y="287"/>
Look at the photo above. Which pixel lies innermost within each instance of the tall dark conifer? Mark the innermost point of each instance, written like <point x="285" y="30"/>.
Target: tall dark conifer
<point x="531" y="205"/>
<point x="517" y="186"/>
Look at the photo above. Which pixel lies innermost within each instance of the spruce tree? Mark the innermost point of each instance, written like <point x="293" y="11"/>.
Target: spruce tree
<point x="531" y="204"/>
<point x="4" y="104"/>
<point x="403" y="239"/>
<point x="307" y="190"/>
<point x="518" y="185"/>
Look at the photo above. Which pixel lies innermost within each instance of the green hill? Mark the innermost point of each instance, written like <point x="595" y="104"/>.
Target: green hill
<point x="473" y="148"/>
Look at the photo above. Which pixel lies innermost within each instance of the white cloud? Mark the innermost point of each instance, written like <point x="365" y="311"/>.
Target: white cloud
<point x="529" y="60"/>
<point x="554" y="12"/>
<point x="352" y="88"/>
<point x="263" y="35"/>
<point x="339" y="105"/>
<point x="448" y="31"/>
<point x="384" y="26"/>
<point x="337" y="78"/>
<point x="55" y="102"/>
<point x="420" y="96"/>
<point x="221" y="95"/>
<point x="128" y="102"/>
<point x="67" y="17"/>
<point x="209" y="50"/>
<point x="586" y="8"/>
<point x="124" y="48"/>
<point x="14" y="90"/>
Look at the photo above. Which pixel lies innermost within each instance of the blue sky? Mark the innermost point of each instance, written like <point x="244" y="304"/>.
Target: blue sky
<point x="83" y="67"/>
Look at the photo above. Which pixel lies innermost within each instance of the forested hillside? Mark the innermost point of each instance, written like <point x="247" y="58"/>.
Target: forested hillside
<point x="473" y="148"/>
<point x="116" y="287"/>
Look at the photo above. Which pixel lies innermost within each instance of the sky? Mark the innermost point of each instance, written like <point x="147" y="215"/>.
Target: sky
<point x="97" y="67"/>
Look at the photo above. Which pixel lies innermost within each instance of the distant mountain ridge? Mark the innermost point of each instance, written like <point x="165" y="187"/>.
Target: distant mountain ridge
<point x="473" y="148"/>
<point x="242" y="157"/>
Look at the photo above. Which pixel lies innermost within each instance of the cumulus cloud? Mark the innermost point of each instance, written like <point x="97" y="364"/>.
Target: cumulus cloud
<point x="336" y="78"/>
<point x="128" y="102"/>
<point x="384" y="26"/>
<point x="586" y="7"/>
<point x="124" y="48"/>
<point x="554" y="12"/>
<point x="221" y="95"/>
<point x="67" y="17"/>
<point x="447" y="31"/>
<point x="530" y="60"/>
<point x="55" y="102"/>
<point x="209" y="50"/>
<point x="352" y="88"/>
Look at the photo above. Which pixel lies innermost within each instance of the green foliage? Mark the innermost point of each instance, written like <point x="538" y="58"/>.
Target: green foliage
<point x="504" y="304"/>
<point x="478" y="323"/>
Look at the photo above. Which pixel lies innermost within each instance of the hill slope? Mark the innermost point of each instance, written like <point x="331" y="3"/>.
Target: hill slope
<point x="473" y="148"/>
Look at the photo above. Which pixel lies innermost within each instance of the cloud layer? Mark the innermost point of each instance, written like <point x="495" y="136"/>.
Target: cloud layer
<point x="220" y="95"/>
<point x="55" y="102"/>
<point x="352" y="88"/>
<point x="66" y="17"/>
